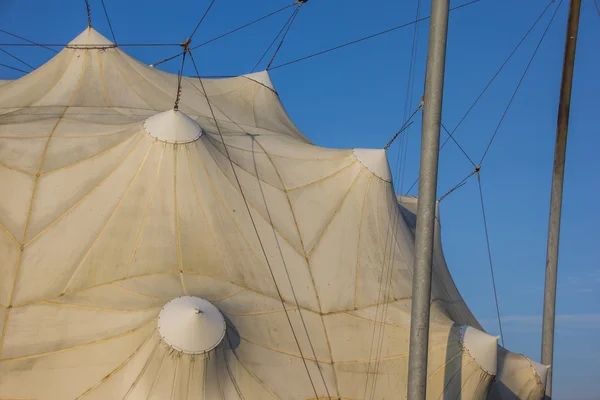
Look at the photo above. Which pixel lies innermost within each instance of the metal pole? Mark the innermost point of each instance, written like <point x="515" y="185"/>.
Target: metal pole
<point x="558" y="174"/>
<point x="430" y="140"/>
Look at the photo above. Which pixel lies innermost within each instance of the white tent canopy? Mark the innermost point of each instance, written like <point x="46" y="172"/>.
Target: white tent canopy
<point x="115" y="204"/>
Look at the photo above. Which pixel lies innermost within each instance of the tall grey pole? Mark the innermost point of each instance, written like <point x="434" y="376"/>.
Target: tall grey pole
<point x="430" y="140"/>
<point x="558" y="174"/>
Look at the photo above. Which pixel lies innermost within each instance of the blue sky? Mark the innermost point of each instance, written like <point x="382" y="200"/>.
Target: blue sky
<point x="355" y="97"/>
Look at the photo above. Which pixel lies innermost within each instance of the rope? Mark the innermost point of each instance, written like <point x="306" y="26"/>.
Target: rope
<point x="487" y="86"/>
<point x="291" y="17"/>
<point x="276" y="238"/>
<point x="89" y="13"/>
<point x="459" y="184"/>
<point x="15" y="68"/>
<point x="401" y="160"/>
<point x="47" y="45"/>
<point x="186" y="49"/>
<point x="294" y="15"/>
<point x="402" y="129"/>
<point x="402" y="155"/>
<point x="500" y="69"/>
<point x="225" y="34"/>
<point x="383" y="296"/>
<point x="27" y="40"/>
<point x="16" y="58"/>
<point x="597" y="7"/>
<point x="255" y="228"/>
<point x="450" y="136"/>
<point x="404" y="126"/>
<point x="109" y="24"/>
<point x="520" y="82"/>
<point x="202" y="19"/>
<point x="284" y="263"/>
<point x="366" y="37"/>
<point x="489" y="250"/>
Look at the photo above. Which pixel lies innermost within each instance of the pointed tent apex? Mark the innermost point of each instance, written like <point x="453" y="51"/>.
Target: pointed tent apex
<point x="90" y="38"/>
<point x="173" y="126"/>
<point x="483" y="348"/>
<point x="261" y="77"/>
<point x="541" y="369"/>
<point x="191" y="325"/>
<point x="375" y="160"/>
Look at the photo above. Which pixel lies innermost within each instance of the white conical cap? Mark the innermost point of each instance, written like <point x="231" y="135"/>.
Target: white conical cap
<point x="191" y="325"/>
<point x="483" y="348"/>
<point x="90" y="38"/>
<point x="541" y="369"/>
<point x="173" y="126"/>
<point x="375" y="160"/>
<point x="261" y="77"/>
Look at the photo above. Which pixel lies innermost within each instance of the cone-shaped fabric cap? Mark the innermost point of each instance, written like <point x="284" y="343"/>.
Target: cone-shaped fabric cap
<point x="90" y="38"/>
<point x="482" y="347"/>
<point x="541" y="369"/>
<point x="173" y="127"/>
<point x="191" y="325"/>
<point x="375" y="160"/>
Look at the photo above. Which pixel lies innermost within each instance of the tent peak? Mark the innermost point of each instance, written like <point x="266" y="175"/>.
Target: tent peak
<point x="90" y="38"/>
<point x="541" y="369"/>
<point x="191" y="325"/>
<point x="375" y="160"/>
<point x="483" y="348"/>
<point x="261" y="77"/>
<point x="173" y="126"/>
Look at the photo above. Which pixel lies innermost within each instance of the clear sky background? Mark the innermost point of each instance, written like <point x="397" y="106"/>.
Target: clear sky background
<point x="356" y="97"/>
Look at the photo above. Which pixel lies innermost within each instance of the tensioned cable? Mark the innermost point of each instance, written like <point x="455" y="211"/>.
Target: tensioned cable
<point x="284" y="263"/>
<point x="383" y="295"/>
<point x="277" y="242"/>
<point x="16" y="58"/>
<point x="402" y="128"/>
<point x="386" y="276"/>
<point x="520" y="82"/>
<point x="278" y="246"/>
<point x="255" y="228"/>
<point x="597" y="6"/>
<point x="27" y="40"/>
<point x="451" y="136"/>
<point x="109" y="24"/>
<point x="180" y="74"/>
<point x="512" y="53"/>
<point x="459" y="184"/>
<point x="402" y="155"/>
<point x="487" y="86"/>
<point x="89" y="13"/>
<point x="47" y="45"/>
<point x="15" y="68"/>
<point x="202" y="19"/>
<point x="226" y="33"/>
<point x="287" y="22"/>
<point x="286" y="32"/>
<point x="489" y="250"/>
<point x="366" y="37"/>
<point x="386" y="295"/>
<point x="477" y="170"/>
<point x="487" y="239"/>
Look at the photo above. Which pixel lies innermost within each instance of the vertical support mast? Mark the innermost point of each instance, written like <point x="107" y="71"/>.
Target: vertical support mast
<point x="558" y="173"/>
<point x="432" y="112"/>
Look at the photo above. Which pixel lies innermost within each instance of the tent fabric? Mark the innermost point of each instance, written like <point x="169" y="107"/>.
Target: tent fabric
<point x="518" y="378"/>
<point x="105" y="223"/>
